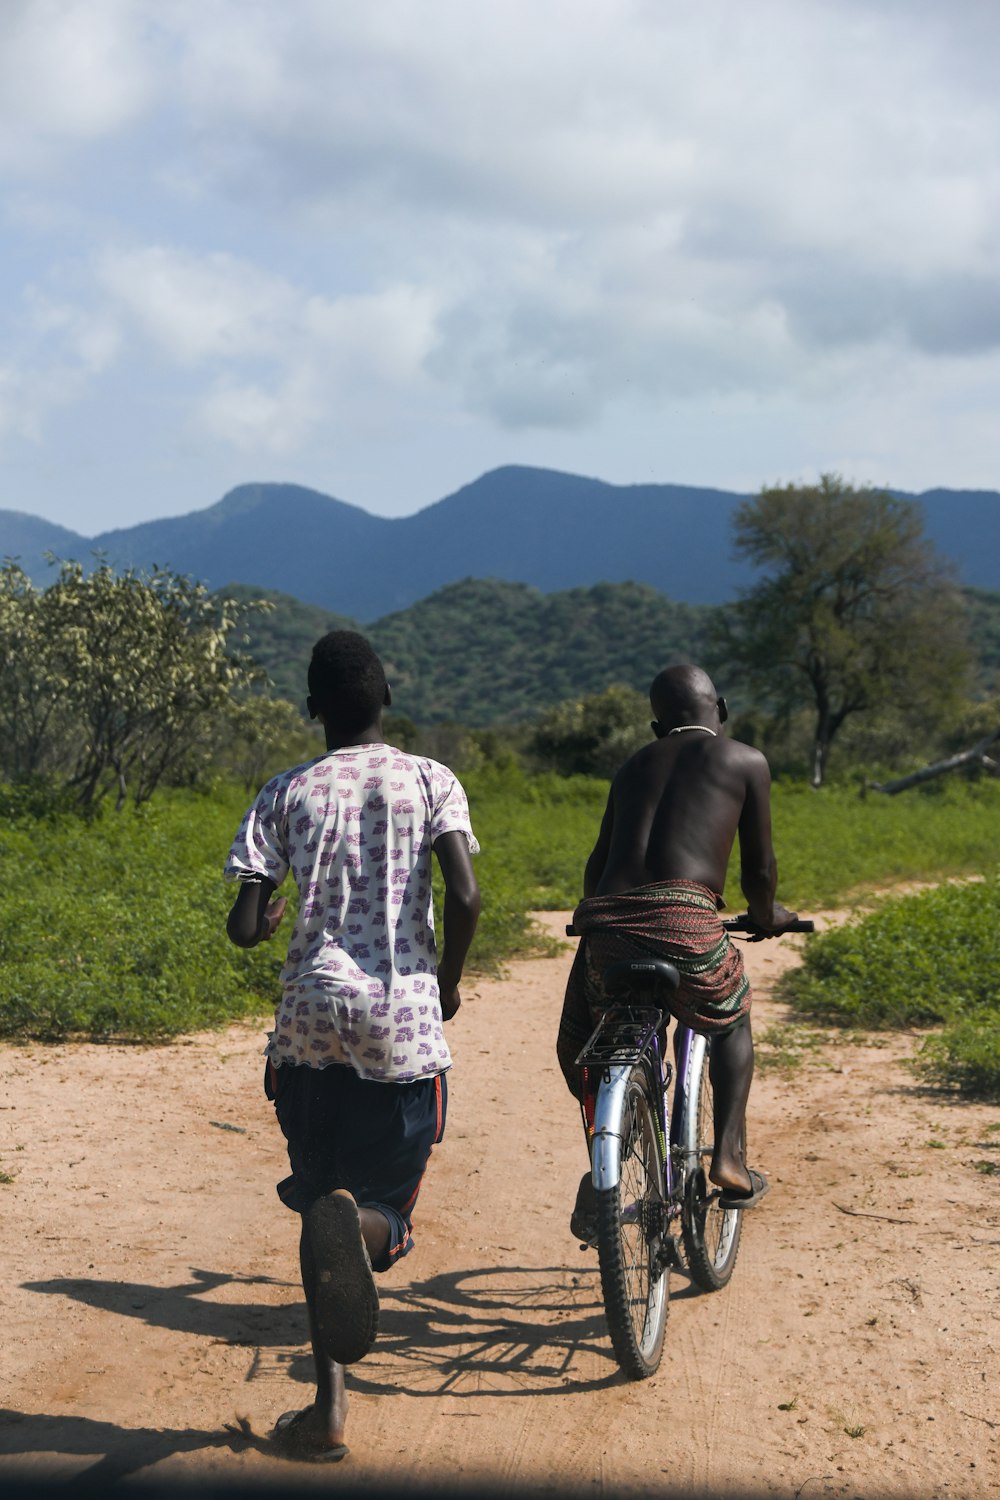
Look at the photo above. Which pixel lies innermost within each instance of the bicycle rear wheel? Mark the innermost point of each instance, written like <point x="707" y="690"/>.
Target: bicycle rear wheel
<point x="636" y="1287"/>
<point x="711" y="1234"/>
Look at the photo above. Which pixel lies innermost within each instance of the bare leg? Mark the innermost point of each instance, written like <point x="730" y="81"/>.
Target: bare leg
<point x="375" y="1228"/>
<point x="731" y="1071"/>
<point x="322" y="1425"/>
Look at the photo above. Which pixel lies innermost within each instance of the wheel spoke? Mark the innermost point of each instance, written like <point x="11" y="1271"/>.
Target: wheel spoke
<point x="711" y="1233"/>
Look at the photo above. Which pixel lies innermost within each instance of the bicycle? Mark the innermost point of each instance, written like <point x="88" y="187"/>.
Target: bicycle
<point x="655" y="1208"/>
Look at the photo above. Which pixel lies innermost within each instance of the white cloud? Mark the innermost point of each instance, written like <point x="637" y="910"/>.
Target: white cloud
<point x="316" y="358"/>
<point x="260" y="421"/>
<point x="71" y="71"/>
<point x="297" y="226"/>
<point x="55" y="352"/>
<point x="196" y="308"/>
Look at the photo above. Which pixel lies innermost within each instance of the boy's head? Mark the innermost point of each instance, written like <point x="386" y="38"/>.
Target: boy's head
<point x="685" y="694"/>
<point x="347" y="686"/>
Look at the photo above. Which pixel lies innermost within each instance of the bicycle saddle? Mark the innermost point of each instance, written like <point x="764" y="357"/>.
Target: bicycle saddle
<point x="632" y="976"/>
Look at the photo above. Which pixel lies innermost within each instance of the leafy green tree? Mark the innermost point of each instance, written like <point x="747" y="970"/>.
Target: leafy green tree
<point x="855" y="612"/>
<point x="258" y="736"/>
<point x="32" y="733"/>
<point x="120" y="679"/>
<point x="592" y="736"/>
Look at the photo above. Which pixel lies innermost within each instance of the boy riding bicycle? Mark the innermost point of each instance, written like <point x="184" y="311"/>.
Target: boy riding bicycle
<point x="652" y="888"/>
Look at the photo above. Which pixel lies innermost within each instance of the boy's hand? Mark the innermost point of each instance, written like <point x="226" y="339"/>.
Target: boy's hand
<point x="450" y="1001"/>
<point x="781" y="920"/>
<point x="272" y="916"/>
<point x="448" y="994"/>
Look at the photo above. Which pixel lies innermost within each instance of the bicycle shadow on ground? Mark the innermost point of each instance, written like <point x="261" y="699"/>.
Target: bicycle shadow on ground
<point x="498" y="1330"/>
<point x="493" y="1331"/>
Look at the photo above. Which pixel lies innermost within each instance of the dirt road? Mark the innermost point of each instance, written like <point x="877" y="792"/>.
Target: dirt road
<point x="151" y="1293"/>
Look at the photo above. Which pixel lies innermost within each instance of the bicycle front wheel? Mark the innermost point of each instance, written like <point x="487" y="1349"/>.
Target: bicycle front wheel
<point x="711" y="1234"/>
<point x="635" y="1285"/>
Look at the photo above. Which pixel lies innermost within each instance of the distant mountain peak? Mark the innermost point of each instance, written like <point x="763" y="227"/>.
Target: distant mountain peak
<point x="518" y="524"/>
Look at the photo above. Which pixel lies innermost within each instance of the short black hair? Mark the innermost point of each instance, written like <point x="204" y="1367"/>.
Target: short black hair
<point x="346" y="681"/>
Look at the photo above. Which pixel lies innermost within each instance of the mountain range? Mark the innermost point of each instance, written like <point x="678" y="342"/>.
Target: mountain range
<point x="539" y="527"/>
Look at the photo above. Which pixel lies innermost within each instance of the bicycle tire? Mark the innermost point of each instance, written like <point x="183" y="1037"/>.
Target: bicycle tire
<point x="635" y="1286"/>
<point x="711" y="1234"/>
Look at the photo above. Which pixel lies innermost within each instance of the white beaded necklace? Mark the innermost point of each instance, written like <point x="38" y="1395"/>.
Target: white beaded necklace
<point x="683" y="728"/>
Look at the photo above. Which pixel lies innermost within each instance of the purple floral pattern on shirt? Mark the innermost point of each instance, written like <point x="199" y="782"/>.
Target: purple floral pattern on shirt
<point x="355" y="830"/>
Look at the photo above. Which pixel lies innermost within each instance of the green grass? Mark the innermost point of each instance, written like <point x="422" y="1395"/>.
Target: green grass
<point x="834" y="845"/>
<point x="535" y="833"/>
<point x="930" y="959"/>
<point x="115" y="928"/>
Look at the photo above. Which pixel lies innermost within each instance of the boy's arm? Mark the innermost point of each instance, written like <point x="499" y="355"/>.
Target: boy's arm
<point x="251" y="920"/>
<point x="599" y="854"/>
<point x="758" y="866"/>
<point x="461" y="913"/>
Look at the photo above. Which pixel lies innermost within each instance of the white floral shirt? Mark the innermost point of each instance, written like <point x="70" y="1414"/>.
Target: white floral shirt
<point x="355" y="828"/>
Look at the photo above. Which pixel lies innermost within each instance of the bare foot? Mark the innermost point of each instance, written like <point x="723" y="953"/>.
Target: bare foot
<point x="311" y="1435"/>
<point x="741" y="1188"/>
<point x="730" y="1174"/>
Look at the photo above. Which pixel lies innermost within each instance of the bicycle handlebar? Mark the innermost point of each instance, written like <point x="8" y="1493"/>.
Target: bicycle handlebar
<point x="743" y="923"/>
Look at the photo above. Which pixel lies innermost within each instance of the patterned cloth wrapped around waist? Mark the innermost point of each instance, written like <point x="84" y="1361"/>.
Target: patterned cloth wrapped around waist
<point x="676" y="920"/>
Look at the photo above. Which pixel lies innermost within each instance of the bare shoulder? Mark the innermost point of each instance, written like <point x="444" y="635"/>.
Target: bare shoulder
<point x="750" y="762"/>
<point x="640" y="766"/>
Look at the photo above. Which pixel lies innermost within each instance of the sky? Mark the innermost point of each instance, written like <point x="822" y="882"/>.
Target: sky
<point x="379" y="247"/>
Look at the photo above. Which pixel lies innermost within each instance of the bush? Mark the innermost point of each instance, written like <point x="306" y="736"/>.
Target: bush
<point x="116" y="927"/>
<point x="926" y="959"/>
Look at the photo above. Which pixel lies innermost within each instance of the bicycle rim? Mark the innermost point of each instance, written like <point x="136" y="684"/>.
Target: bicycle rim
<point x="636" y="1287"/>
<point x="711" y="1234"/>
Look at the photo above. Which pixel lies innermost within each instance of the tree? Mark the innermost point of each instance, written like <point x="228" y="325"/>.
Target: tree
<point x="113" y="681"/>
<point x="593" y="736"/>
<point x="31" y="736"/>
<point x="254" y="738"/>
<point x="855" y="611"/>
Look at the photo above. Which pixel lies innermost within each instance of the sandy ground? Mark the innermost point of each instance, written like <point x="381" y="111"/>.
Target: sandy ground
<point x="151" y="1301"/>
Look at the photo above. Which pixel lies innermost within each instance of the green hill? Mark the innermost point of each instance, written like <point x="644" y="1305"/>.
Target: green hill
<point x="487" y="652"/>
<point x="281" y="638"/>
<point x="484" y="652"/>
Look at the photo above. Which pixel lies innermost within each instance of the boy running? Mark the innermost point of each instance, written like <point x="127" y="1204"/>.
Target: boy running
<point x="357" y="1059"/>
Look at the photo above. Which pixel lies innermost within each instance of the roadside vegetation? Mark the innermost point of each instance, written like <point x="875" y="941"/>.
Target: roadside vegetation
<point x="925" y="960"/>
<point x="113" y="926"/>
<point x="137" y="725"/>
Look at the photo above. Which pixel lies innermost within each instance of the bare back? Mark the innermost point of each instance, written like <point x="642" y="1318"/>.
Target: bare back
<point x="674" y="812"/>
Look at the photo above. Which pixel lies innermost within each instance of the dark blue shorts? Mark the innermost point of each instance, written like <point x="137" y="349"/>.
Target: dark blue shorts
<point x="373" y="1139"/>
